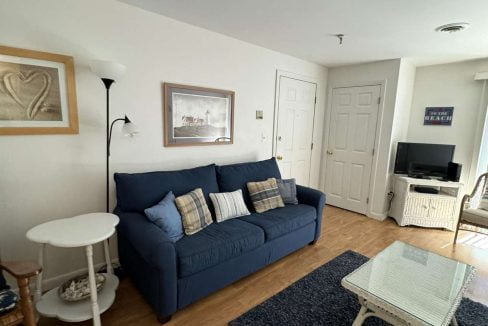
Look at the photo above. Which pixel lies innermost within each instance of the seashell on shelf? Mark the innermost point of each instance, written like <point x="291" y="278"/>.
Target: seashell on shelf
<point x="78" y="288"/>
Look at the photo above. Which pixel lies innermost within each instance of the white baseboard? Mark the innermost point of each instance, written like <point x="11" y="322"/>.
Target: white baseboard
<point x="378" y="216"/>
<point x="52" y="282"/>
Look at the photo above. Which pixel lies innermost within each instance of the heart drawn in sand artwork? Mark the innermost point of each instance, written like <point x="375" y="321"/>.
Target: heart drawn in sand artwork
<point x="23" y="79"/>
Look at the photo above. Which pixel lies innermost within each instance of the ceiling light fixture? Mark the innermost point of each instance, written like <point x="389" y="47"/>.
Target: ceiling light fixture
<point x="452" y="28"/>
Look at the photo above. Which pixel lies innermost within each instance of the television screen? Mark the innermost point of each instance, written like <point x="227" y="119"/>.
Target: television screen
<point x="423" y="159"/>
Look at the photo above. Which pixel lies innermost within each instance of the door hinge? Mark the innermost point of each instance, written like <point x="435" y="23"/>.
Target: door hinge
<point x="367" y="200"/>
<point x="372" y="152"/>
<point x="311" y="147"/>
<point x="315" y="99"/>
<point x="379" y="100"/>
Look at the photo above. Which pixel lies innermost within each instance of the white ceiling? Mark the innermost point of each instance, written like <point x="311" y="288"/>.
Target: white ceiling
<point x="375" y="29"/>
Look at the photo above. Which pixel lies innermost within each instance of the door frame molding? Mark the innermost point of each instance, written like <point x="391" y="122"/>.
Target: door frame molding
<point x="283" y="73"/>
<point x="377" y="142"/>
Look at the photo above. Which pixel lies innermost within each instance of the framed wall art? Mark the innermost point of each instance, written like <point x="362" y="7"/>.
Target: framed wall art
<point x="37" y="93"/>
<point x="197" y="115"/>
<point x="438" y="116"/>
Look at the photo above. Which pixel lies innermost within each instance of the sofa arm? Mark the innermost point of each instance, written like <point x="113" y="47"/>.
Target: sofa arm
<point x="154" y="247"/>
<point x="315" y="198"/>
<point x="148" y="239"/>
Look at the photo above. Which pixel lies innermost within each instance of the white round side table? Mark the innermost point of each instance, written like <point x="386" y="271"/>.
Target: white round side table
<point x="79" y="231"/>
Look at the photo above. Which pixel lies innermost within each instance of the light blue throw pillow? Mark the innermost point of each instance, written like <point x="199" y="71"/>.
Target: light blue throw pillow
<point x="166" y="216"/>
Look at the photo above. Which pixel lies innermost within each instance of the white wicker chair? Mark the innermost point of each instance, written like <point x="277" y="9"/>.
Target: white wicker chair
<point x="469" y="213"/>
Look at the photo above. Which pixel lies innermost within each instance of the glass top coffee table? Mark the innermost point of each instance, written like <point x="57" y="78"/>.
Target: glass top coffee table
<point x="406" y="285"/>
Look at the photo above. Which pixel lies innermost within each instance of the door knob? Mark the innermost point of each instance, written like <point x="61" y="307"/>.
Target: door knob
<point x="279" y="138"/>
<point x="329" y="152"/>
<point x="279" y="157"/>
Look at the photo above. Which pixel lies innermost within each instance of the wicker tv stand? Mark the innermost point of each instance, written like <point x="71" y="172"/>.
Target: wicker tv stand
<point x="410" y="207"/>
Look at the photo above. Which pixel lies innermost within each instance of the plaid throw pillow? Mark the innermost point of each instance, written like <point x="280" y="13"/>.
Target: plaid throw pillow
<point x="194" y="211"/>
<point x="229" y="205"/>
<point x="265" y="195"/>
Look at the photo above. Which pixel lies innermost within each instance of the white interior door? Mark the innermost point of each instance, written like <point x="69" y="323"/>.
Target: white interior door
<point x="294" y="132"/>
<point x="351" y="146"/>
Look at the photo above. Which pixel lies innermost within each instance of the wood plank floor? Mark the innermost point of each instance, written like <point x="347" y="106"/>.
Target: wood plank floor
<point x="342" y="230"/>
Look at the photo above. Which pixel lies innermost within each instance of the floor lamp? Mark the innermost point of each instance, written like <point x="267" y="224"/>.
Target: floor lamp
<point x="109" y="72"/>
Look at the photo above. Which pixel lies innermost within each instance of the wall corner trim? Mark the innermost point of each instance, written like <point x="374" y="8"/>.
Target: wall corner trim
<point x="377" y="216"/>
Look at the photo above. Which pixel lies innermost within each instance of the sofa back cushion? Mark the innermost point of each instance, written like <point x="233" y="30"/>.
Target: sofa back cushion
<point x="236" y="176"/>
<point x="138" y="191"/>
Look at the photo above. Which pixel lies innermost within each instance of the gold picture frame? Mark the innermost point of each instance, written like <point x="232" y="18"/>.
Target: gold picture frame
<point x="37" y="93"/>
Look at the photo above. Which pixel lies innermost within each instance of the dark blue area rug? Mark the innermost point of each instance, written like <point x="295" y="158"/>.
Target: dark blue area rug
<point x="319" y="299"/>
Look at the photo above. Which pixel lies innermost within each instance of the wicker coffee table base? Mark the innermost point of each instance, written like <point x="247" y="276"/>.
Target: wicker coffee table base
<point x="387" y="292"/>
<point x="369" y="309"/>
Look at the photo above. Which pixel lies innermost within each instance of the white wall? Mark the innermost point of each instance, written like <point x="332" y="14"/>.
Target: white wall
<point x="482" y="165"/>
<point x="49" y="177"/>
<point x="403" y="104"/>
<point x="451" y="85"/>
<point x="385" y="73"/>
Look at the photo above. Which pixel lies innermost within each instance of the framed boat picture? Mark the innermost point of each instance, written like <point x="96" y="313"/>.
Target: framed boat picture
<point x="37" y="93"/>
<point x="197" y="115"/>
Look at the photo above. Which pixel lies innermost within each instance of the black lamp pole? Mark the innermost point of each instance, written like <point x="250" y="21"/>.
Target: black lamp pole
<point x="107" y="82"/>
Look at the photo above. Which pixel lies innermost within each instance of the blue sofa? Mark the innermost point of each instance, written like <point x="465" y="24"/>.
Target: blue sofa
<point x="172" y="275"/>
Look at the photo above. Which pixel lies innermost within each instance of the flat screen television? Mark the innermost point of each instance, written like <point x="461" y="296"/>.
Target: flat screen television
<point x="423" y="160"/>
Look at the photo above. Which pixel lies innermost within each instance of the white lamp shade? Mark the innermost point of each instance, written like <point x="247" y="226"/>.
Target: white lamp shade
<point x="129" y="129"/>
<point x="107" y="69"/>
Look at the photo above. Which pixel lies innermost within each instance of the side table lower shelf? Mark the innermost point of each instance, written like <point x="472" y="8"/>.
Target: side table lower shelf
<point x="51" y="305"/>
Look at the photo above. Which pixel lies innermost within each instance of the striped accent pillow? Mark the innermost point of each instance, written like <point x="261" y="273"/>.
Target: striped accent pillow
<point x="194" y="211"/>
<point x="228" y="205"/>
<point x="265" y="195"/>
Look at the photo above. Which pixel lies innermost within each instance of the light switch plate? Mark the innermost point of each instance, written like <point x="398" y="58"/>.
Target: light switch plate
<point x="259" y="115"/>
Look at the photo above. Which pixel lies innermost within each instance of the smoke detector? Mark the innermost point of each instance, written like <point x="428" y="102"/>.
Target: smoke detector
<point x="452" y="28"/>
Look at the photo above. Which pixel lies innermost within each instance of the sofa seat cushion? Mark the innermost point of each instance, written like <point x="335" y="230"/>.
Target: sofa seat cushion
<point x="283" y="220"/>
<point x="215" y="244"/>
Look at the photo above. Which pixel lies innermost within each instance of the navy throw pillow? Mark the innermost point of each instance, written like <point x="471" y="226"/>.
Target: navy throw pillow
<point x="166" y="216"/>
<point x="288" y="190"/>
